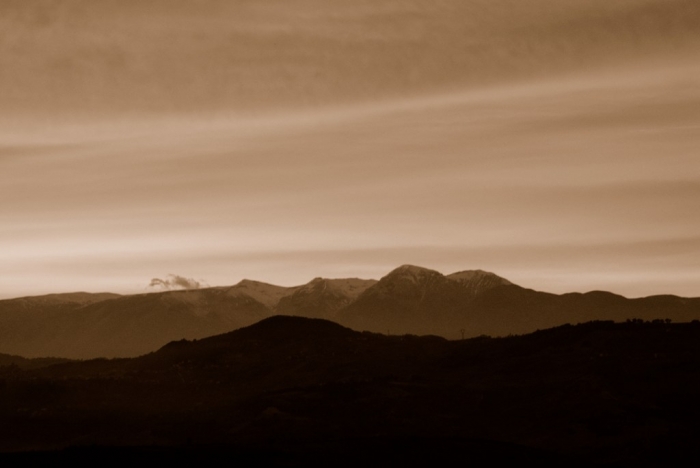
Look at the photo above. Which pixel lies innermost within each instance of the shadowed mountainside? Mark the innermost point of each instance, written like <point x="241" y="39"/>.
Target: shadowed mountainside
<point x="600" y="393"/>
<point x="409" y="299"/>
<point x="122" y="326"/>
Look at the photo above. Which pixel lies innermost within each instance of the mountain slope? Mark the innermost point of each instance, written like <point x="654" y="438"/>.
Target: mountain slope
<point x="267" y="294"/>
<point x="122" y="326"/>
<point x="322" y="298"/>
<point x="83" y="326"/>
<point x="420" y="301"/>
<point x="478" y="281"/>
<point x="409" y="299"/>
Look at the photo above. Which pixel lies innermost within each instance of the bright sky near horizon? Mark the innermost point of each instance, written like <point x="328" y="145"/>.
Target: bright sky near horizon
<point x="557" y="146"/>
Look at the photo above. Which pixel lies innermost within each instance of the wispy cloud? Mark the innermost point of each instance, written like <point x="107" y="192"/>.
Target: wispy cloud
<point x="175" y="282"/>
<point x="573" y="181"/>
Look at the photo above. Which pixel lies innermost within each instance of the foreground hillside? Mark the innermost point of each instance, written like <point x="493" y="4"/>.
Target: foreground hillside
<point x="597" y="393"/>
<point x="409" y="299"/>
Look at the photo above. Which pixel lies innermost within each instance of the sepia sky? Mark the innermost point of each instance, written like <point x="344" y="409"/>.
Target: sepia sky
<point x="554" y="143"/>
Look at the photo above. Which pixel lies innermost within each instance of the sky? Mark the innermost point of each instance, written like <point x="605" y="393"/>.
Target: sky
<point x="556" y="144"/>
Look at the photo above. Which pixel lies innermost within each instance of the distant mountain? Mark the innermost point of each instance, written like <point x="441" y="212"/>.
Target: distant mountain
<point x="74" y="297"/>
<point x="267" y="294"/>
<point x="122" y="325"/>
<point x="513" y="310"/>
<point x="410" y="299"/>
<point x="82" y="325"/>
<point x="477" y="281"/>
<point x="322" y="298"/>
<point x="54" y="301"/>
<point x="417" y="300"/>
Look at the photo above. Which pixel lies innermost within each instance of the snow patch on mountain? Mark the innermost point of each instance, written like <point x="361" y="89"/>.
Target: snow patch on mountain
<point x="267" y="294"/>
<point x="477" y="275"/>
<point x="412" y="273"/>
<point x="477" y="281"/>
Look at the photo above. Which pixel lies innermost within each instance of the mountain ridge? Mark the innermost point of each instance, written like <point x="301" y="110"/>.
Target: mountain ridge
<point x="407" y="300"/>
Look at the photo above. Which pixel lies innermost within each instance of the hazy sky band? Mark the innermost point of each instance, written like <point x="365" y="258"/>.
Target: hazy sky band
<point x="183" y="55"/>
<point x="558" y="150"/>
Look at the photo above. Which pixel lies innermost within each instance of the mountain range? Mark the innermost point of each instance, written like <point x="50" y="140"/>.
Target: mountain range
<point x="408" y="300"/>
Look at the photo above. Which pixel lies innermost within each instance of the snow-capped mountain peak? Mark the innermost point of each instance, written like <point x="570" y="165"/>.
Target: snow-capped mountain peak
<point x="477" y="281"/>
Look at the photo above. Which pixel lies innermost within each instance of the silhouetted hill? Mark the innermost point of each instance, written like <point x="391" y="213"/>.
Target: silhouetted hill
<point x="350" y="453"/>
<point x="280" y="327"/>
<point x="8" y="360"/>
<point x="283" y="349"/>
<point x="604" y="393"/>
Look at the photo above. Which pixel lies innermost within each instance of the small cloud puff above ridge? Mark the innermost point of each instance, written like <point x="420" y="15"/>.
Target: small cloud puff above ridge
<point x="175" y="282"/>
